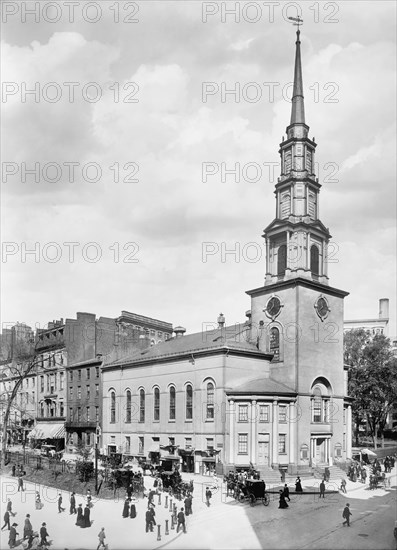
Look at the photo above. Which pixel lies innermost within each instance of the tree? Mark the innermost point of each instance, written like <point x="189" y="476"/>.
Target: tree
<point x="372" y="380"/>
<point x="23" y="363"/>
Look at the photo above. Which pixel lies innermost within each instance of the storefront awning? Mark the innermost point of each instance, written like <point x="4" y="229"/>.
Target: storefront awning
<point x="47" y="430"/>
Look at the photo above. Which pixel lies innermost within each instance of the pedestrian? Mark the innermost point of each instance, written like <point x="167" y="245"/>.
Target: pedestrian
<point x="13" y="470"/>
<point x="73" y="503"/>
<point x="9" y="508"/>
<point x="6" y="520"/>
<point x="343" y="485"/>
<point x="43" y="535"/>
<point x="346" y="514"/>
<point x="60" y="509"/>
<point x="133" y="508"/>
<point x="39" y="504"/>
<point x="79" y="519"/>
<point x="28" y="529"/>
<point x="286" y="492"/>
<point x="20" y="483"/>
<point x="129" y="490"/>
<point x="208" y="496"/>
<point x="101" y="537"/>
<point x="364" y="475"/>
<point x="89" y="499"/>
<point x="188" y="505"/>
<point x="181" y="521"/>
<point x="149" y="517"/>
<point x="282" y="501"/>
<point x="13" y="535"/>
<point x="126" y="508"/>
<point x="86" y="517"/>
<point x="298" y="485"/>
<point x="151" y="497"/>
<point x="153" y="515"/>
<point x="322" y="489"/>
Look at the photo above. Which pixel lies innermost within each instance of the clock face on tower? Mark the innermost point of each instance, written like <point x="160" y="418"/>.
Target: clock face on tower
<point x="322" y="308"/>
<point x="273" y="307"/>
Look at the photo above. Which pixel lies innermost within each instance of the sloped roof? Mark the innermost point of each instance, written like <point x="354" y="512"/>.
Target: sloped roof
<point x="233" y="338"/>
<point x="261" y="385"/>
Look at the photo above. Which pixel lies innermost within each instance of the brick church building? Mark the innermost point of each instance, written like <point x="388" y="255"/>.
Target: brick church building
<point x="272" y="391"/>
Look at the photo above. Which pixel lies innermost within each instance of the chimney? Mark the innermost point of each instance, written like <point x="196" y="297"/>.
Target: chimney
<point x="179" y="332"/>
<point x="384" y="308"/>
<point x="221" y="320"/>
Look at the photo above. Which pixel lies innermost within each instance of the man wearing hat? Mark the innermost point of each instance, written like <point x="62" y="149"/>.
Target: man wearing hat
<point x="43" y="535"/>
<point x="28" y="529"/>
<point x="13" y="535"/>
<point x="6" y="520"/>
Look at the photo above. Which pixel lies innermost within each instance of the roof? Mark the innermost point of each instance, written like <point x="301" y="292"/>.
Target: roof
<point x="261" y="385"/>
<point x="86" y="362"/>
<point x="231" y="338"/>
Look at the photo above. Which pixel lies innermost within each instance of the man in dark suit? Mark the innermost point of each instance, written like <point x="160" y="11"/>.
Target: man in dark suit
<point x="43" y="535"/>
<point x="73" y="504"/>
<point x="286" y="492"/>
<point x="181" y="521"/>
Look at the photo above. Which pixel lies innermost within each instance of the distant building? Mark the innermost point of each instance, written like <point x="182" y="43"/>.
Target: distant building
<point x="374" y="325"/>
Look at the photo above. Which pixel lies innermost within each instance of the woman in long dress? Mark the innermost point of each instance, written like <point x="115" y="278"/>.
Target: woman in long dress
<point x="298" y="486"/>
<point x="126" y="509"/>
<point x="133" y="509"/>
<point x="283" y="503"/>
<point x="79" y="519"/>
<point x="86" y="518"/>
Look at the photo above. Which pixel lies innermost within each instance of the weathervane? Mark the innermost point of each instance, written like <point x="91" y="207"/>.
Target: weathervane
<point x="297" y="21"/>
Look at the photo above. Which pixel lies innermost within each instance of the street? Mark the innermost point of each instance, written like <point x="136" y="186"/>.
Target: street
<point x="308" y="523"/>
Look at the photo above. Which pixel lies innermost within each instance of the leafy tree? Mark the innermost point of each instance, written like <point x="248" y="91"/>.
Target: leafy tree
<point x="372" y="380"/>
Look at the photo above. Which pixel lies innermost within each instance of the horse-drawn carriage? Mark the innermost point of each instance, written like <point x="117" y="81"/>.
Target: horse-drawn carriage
<point x="253" y="490"/>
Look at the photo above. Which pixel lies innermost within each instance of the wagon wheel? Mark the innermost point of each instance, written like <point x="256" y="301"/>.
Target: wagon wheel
<point x="265" y="500"/>
<point x="241" y="497"/>
<point x="252" y="499"/>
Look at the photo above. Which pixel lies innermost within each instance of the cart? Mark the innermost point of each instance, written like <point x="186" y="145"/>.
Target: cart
<point x="254" y="490"/>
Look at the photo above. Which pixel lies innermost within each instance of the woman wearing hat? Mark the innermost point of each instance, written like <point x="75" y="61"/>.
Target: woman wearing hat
<point x="126" y="508"/>
<point x="79" y="520"/>
<point x="43" y="535"/>
<point x="13" y="535"/>
<point x="133" y="508"/>
<point x="28" y="529"/>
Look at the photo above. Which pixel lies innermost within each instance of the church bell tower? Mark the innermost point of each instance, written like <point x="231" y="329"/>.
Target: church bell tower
<point x="296" y="240"/>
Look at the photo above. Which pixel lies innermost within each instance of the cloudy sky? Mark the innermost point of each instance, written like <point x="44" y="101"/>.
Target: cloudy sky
<point x="119" y="131"/>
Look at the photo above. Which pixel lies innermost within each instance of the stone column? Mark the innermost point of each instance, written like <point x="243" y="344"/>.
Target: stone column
<point x="308" y="251"/>
<point x="253" y="431"/>
<point x="292" y="427"/>
<point x="349" y="432"/>
<point x="275" y="433"/>
<point x="288" y="266"/>
<point x="231" y="432"/>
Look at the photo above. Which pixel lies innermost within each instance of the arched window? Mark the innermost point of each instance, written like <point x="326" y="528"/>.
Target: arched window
<point x="112" y="406"/>
<point x="314" y="260"/>
<point x="128" y="406"/>
<point x="281" y="259"/>
<point x="172" y="403"/>
<point x="142" y="405"/>
<point x="156" y="404"/>
<point x="320" y="401"/>
<point x="210" y="401"/>
<point x="304" y="452"/>
<point x="189" y="402"/>
<point x="275" y="343"/>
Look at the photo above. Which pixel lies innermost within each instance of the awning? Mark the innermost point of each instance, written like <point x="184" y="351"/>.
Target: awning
<point x="46" y="430"/>
<point x="186" y="452"/>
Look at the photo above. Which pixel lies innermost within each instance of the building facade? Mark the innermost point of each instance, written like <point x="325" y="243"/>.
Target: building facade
<point x="272" y="391"/>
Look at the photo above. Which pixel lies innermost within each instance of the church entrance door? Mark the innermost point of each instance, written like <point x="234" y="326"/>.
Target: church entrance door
<point x="263" y="453"/>
<point x="320" y="450"/>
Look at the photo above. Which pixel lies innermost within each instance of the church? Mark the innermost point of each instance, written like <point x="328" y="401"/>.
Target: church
<point x="270" y="392"/>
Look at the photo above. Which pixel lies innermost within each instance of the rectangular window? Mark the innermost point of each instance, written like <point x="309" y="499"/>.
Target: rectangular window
<point x="281" y="444"/>
<point x="71" y="376"/>
<point x="97" y="372"/>
<point x="78" y="392"/>
<point x="79" y="375"/>
<point x="127" y="444"/>
<point x="242" y="444"/>
<point x="210" y="443"/>
<point x="88" y="391"/>
<point x="96" y="390"/>
<point x="88" y="370"/>
<point x="316" y="408"/>
<point x="61" y="409"/>
<point x="263" y="413"/>
<point x="61" y="380"/>
<point x="141" y="443"/>
<point x="188" y="442"/>
<point x="70" y="414"/>
<point x="71" y="392"/>
<point x="243" y="413"/>
<point x="48" y="382"/>
<point x="41" y="383"/>
<point x="78" y="414"/>
<point x="87" y="411"/>
<point x="96" y="414"/>
<point x="33" y="381"/>
<point x="282" y="413"/>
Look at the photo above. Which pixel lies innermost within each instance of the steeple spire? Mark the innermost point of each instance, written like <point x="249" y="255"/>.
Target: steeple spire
<point x="298" y="106"/>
